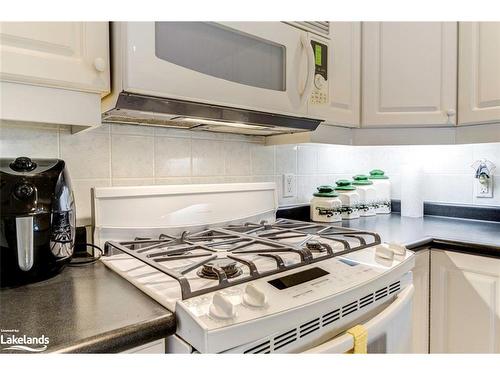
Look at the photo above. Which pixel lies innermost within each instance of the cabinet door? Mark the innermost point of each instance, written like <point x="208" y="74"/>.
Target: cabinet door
<point x="421" y="303"/>
<point x="479" y="72"/>
<point x="154" y="347"/>
<point x="465" y="303"/>
<point x="344" y="68"/>
<point x="68" y="55"/>
<point x="409" y="72"/>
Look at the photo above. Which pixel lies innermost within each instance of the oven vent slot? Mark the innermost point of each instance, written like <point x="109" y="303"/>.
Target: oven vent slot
<point x="366" y="300"/>
<point x="349" y="308"/>
<point x="264" y="347"/>
<point x="381" y="293"/>
<point x="394" y="287"/>
<point x="285" y="339"/>
<point x="309" y="327"/>
<point x="331" y="317"/>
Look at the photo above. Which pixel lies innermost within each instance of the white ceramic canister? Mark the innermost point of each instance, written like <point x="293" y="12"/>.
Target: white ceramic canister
<point x="326" y="207"/>
<point x="382" y="186"/>
<point x="350" y="199"/>
<point x="367" y="195"/>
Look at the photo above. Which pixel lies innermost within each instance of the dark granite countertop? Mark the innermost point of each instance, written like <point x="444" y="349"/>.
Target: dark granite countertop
<point x="85" y="309"/>
<point x="415" y="231"/>
<point x="463" y="235"/>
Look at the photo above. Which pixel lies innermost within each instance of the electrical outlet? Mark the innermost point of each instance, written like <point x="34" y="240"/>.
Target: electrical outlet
<point x="289" y="185"/>
<point x="483" y="190"/>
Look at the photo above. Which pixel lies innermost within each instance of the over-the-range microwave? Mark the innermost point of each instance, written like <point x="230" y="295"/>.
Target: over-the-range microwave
<point x="243" y="77"/>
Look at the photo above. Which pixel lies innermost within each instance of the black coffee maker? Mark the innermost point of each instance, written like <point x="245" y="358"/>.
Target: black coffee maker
<point x="37" y="228"/>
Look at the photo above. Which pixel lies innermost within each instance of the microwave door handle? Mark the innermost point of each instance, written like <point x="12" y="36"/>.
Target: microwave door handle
<point x="374" y="327"/>
<point x="24" y="232"/>
<point x="306" y="46"/>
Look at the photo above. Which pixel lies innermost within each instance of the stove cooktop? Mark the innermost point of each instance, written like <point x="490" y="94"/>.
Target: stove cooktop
<point x="194" y="264"/>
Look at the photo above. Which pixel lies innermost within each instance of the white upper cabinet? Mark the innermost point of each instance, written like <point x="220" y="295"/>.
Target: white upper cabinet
<point x="59" y="70"/>
<point x="409" y="74"/>
<point x="344" y="74"/>
<point x="465" y="303"/>
<point x="70" y="55"/>
<point x="479" y="72"/>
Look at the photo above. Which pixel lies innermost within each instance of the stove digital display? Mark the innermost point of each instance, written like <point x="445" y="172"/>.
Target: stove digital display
<point x="288" y="281"/>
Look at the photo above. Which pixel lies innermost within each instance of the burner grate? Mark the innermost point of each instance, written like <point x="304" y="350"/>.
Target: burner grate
<point x="222" y="254"/>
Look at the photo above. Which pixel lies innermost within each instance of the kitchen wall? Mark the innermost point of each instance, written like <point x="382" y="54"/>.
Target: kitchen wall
<point x="133" y="155"/>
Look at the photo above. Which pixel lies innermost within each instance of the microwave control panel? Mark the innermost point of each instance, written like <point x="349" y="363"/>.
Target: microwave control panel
<point x="319" y="94"/>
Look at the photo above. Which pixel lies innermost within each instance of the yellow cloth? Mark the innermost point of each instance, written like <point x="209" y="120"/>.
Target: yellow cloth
<point x="360" y="336"/>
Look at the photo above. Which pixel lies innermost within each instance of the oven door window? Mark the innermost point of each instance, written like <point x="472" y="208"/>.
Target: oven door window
<point x="221" y="52"/>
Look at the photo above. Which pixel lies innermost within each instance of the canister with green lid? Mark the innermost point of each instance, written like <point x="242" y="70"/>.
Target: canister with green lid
<point x="367" y="195"/>
<point x="325" y="205"/>
<point x="382" y="186"/>
<point x="350" y="199"/>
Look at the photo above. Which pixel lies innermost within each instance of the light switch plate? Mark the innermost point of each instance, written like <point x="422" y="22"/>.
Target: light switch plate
<point x="483" y="190"/>
<point x="289" y="185"/>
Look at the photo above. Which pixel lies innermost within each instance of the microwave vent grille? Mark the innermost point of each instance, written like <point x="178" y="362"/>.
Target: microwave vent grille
<point x="317" y="27"/>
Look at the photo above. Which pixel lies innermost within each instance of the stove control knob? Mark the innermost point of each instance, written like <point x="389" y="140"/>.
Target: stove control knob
<point x="397" y="249"/>
<point x="254" y="296"/>
<point x="221" y="307"/>
<point x="383" y="251"/>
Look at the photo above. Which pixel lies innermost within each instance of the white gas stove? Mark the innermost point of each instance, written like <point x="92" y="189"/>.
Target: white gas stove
<point x="241" y="281"/>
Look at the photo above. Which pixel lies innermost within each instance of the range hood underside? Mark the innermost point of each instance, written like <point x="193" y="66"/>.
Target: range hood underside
<point x="180" y="114"/>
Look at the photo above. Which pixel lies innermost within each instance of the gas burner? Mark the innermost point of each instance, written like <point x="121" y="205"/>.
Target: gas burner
<point x="315" y="246"/>
<point x="209" y="269"/>
<point x="250" y="247"/>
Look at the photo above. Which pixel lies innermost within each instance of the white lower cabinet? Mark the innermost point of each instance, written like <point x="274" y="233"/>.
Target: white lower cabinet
<point x="465" y="303"/>
<point x="420" y="330"/>
<point x="153" y="347"/>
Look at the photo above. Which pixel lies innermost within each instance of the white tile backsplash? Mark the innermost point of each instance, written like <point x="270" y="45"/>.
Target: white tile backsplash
<point x="37" y="142"/>
<point x="262" y="160"/>
<point x="132" y="156"/>
<point x="286" y="159"/>
<point x="132" y="181"/>
<point x="449" y="188"/>
<point x="86" y="153"/>
<point x="237" y="158"/>
<point x="172" y="157"/>
<point x="307" y="159"/>
<point x="173" y="181"/>
<point x="137" y="155"/>
<point x="208" y="157"/>
<point x="133" y="130"/>
<point x="81" y="189"/>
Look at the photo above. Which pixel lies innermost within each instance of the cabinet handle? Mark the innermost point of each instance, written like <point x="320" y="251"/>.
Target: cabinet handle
<point x="451" y="113"/>
<point x="99" y="64"/>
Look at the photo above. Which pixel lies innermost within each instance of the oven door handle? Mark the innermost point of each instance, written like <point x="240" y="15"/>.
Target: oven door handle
<point x="374" y="327"/>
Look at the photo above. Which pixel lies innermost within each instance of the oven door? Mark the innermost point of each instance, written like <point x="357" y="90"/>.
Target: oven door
<point x="388" y="332"/>
<point x="266" y="66"/>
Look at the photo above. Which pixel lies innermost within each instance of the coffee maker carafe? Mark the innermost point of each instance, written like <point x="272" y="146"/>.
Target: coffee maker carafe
<point x="37" y="228"/>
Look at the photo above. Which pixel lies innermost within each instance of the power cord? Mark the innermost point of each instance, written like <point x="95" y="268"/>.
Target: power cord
<point x="87" y="260"/>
